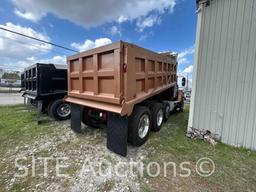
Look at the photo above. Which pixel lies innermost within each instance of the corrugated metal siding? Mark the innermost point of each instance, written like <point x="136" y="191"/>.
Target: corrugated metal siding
<point x="224" y="79"/>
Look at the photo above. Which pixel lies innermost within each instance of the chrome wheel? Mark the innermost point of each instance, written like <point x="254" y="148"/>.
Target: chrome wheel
<point x="63" y="110"/>
<point x="143" y="126"/>
<point x="160" y="117"/>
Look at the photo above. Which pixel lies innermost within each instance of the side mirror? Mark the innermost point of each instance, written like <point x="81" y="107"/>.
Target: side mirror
<point x="183" y="81"/>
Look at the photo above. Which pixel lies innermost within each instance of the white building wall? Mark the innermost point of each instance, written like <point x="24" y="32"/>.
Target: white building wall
<point x="224" y="79"/>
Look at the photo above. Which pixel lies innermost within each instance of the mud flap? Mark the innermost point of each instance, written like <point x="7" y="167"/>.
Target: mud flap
<point x="117" y="132"/>
<point x="76" y="118"/>
<point x="39" y="111"/>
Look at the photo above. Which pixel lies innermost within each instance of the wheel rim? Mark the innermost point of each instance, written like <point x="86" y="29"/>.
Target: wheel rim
<point x="167" y="111"/>
<point x="160" y="116"/>
<point x="63" y="110"/>
<point x="143" y="126"/>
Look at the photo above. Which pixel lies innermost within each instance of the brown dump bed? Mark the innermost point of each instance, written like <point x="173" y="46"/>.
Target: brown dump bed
<point x="117" y="76"/>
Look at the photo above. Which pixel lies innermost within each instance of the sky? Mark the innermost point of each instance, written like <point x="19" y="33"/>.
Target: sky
<point x="158" y="25"/>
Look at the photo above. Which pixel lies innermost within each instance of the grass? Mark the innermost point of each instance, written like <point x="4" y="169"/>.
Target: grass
<point x="235" y="167"/>
<point x="18" y="130"/>
<point x="9" y="90"/>
<point x="18" y="125"/>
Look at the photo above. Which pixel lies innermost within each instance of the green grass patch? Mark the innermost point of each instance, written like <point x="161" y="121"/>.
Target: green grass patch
<point x="235" y="167"/>
<point x="18" y="125"/>
<point x="9" y="91"/>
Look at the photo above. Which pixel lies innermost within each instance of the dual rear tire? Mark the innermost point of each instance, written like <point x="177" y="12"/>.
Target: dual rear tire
<point x="167" y="110"/>
<point x="157" y="112"/>
<point x="139" y="126"/>
<point x="85" y="117"/>
<point x="142" y="120"/>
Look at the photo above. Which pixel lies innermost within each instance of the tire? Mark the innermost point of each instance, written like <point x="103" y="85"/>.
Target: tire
<point x="182" y="106"/>
<point x="90" y="121"/>
<point x="85" y="118"/>
<point x="167" y="111"/>
<point x="139" y="126"/>
<point x="33" y="102"/>
<point x="49" y="112"/>
<point x="60" y="110"/>
<point x="157" y="113"/>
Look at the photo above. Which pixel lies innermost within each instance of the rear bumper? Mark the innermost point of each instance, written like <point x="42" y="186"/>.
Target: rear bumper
<point x="95" y="104"/>
<point x="29" y="96"/>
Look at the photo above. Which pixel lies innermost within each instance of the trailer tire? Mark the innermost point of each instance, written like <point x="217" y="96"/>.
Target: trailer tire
<point x="49" y="109"/>
<point x="139" y="126"/>
<point x="157" y="113"/>
<point x="60" y="110"/>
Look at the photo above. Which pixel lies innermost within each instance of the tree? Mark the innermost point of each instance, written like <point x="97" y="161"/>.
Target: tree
<point x="11" y="75"/>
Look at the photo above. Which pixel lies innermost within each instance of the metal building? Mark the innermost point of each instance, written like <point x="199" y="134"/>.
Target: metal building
<point x="224" y="77"/>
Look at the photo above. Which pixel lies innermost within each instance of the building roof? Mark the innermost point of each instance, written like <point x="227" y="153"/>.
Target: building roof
<point x="207" y="2"/>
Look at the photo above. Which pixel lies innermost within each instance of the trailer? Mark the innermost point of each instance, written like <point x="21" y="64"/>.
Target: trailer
<point x="124" y="88"/>
<point x="44" y="86"/>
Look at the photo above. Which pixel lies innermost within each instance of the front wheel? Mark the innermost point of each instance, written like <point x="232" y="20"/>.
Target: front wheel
<point x="60" y="110"/>
<point x="139" y="126"/>
<point x="182" y="106"/>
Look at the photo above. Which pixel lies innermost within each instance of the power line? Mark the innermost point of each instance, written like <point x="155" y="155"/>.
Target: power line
<point x="47" y="42"/>
<point x="10" y="67"/>
<point x="33" y="45"/>
<point x="30" y="44"/>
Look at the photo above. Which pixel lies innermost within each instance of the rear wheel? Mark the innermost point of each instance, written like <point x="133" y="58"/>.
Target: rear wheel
<point x="60" y="110"/>
<point x="167" y="111"/>
<point x="49" y="109"/>
<point x="157" y="113"/>
<point x="85" y="117"/>
<point x="139" y="126"/>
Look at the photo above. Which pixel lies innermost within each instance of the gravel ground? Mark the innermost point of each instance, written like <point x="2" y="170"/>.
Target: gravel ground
<point x="11" y="98"/>
<point x="85" y="154"/>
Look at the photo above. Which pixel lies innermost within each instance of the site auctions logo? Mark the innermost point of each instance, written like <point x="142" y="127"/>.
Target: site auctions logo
<point x="203" y="172"/>
<point x="204" y="167"/>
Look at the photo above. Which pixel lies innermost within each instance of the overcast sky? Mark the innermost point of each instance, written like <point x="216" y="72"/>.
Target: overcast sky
<point x="159" y="25"/>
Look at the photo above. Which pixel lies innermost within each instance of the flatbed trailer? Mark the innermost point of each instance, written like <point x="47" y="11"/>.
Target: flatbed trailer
<point x="127" y="89"/>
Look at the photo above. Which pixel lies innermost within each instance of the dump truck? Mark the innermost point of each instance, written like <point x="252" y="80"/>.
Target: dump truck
<point x="44" y="86"/>
<point x="127" y="89"/>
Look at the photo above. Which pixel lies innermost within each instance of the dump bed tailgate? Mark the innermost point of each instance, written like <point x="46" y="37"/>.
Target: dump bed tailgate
<point x="95" y="74"/>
